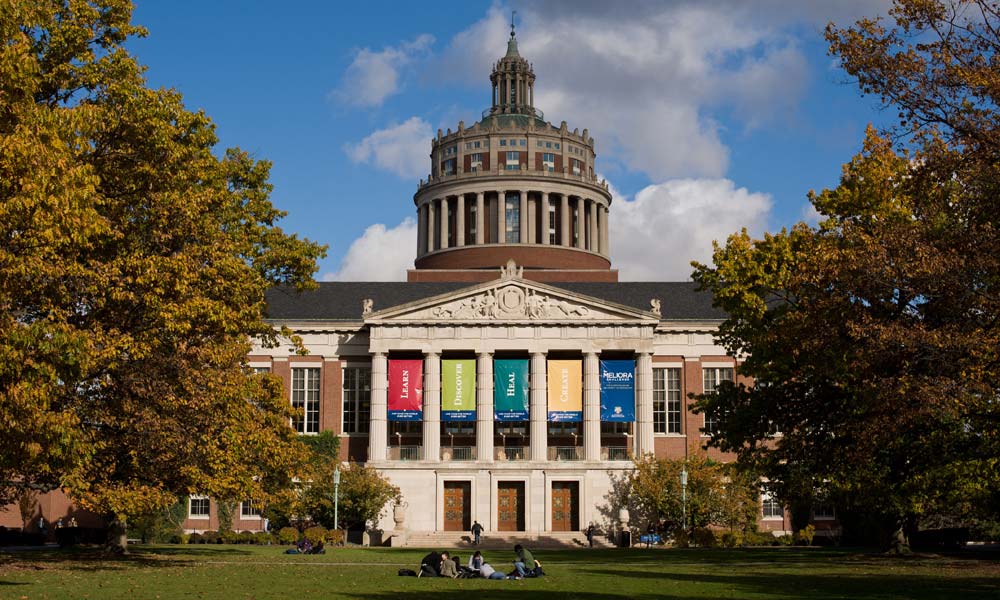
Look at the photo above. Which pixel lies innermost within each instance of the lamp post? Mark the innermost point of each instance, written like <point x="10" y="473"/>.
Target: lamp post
<point x="336" y="497"/>
<point x="684" y="497"/>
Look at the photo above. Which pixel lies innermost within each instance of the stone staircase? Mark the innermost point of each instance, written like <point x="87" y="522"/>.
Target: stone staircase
<point x="455" y="540"/>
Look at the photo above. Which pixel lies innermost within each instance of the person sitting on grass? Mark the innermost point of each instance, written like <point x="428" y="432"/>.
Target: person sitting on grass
<point x="524" y="561"/>
<point x="476" y="561"/>
<point x="448" y="568"/>
<point x="430" y="565"/>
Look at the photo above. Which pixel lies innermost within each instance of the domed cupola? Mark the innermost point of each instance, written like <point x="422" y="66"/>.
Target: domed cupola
<point x="513" y="82"/>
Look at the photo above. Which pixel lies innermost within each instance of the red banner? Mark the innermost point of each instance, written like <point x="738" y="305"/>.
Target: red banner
<point x="406" y="390"/>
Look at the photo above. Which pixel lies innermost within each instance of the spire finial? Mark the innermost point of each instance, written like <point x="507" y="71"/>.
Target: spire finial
<point x="512" y="13"/>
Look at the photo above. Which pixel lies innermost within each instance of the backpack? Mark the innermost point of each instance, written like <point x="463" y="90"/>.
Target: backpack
<point x="407" y="573"/>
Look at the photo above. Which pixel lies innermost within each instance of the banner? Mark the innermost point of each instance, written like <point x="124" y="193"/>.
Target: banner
<point x="406" y="390"/>
<point x="618" y="391"/>
<point x="510" y="389"/>
<point x="565" y="390"/>
<point x="458" y="390"/>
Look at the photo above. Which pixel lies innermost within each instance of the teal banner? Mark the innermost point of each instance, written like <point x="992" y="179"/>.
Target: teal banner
<point x="510" y="389"/>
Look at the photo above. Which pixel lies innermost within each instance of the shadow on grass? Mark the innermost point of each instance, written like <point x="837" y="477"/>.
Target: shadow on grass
<point x="504" y="589"/>
<point x="813" y="586"/>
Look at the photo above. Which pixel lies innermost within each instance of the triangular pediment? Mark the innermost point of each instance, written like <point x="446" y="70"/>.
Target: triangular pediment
<point x="510" y="299"/>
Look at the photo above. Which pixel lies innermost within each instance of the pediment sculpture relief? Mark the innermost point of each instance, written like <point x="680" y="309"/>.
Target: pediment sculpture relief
<point x="510" y="302"/>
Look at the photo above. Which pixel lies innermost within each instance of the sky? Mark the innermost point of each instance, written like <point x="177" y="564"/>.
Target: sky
<point x="708" y="117"/>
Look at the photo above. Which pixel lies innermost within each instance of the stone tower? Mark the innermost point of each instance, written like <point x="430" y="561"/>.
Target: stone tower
<point x="512" y="187"/>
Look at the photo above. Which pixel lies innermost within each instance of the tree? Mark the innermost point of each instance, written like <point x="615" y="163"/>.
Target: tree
<point x="364" y="496"/>
<point x="874" y="339"/>
<point x="133" y="266"/>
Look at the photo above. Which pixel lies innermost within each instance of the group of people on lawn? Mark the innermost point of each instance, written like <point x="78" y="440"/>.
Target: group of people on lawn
<point x="444" y="565"/>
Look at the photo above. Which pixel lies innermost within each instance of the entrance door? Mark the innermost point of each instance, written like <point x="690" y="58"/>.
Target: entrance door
<point x="510" y="506"/>
<point x="565" y="506"/>
<point x="457" y="505"/>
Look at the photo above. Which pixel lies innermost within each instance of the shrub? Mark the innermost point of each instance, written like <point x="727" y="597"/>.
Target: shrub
<point x="180" y="538"/>
<point x="195" y="538"/>
<point x="805" y="536"/>
<point x="682" y="539"/>
<point x="315" y="534"/>
<point x="732" y="539"/>
<point x="335" y="537"/>
<point x="288" y="535"/>
<point x="704" y="537"/>
<point x="246" y="537"/>
<point x="229" y="537"/>
<point x="761" y="539"/>
<point x="785" y="540"/>
<point x="210" y="537"/>
<point x="263" y="538"/>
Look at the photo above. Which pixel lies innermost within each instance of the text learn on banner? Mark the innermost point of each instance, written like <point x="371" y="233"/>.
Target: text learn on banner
<point x="618" y="391"/>
<point x="406" y="390"/>
<point x="458" y="390"/>
<point x="565" y="390"/>
<point x="510" y="389"/>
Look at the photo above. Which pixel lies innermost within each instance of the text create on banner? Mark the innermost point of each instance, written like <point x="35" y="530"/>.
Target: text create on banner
<point x="565" y="390"/>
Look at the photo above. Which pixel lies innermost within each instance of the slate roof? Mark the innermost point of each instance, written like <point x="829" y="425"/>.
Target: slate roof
<point x="341" y="301"/>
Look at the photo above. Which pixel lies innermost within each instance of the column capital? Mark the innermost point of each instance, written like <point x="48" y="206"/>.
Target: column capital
<point x="431" y="353"/>
<point x="485" y="353"/>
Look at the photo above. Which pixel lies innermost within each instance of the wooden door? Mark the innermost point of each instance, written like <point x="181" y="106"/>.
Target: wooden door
<point x="565" y="506"/>
<point x="457" y="505"/>
<point x="510" y="506"/>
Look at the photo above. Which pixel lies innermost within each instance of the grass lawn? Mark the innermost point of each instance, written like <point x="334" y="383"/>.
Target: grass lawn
<point x="264" y="572"/>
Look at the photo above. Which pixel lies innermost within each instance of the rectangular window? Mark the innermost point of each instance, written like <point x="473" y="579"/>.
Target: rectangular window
<point x="305" y="397"/>
<point x="513" y="142"/>
<point x="823" y="511"/>
<point x="448" y="166"/>
<point x="468" y="145"/>
<point x="513" y="218"/>
<point x="549" y="161"/>
<point x="711" y="378"/>
<point x="523" y="143"/>
<point x="512" y="427"/>
<point x="476" y="144"/>
<point x="513" y="162"/>
<point x="552" y="225"/>
<point x="667" y="400"/>
<point x="549" y="145"/>
<point x="770" y="507"/>
<point x="261" y="370"/>
<point x="248" y="510"/>
<point x="503" y="142"/>
<point x="473" y="222"/>
<point x="566" y="429"/>
<point x="539" y="143"/>
<point x="357" y="399"/>
<point x="576" y="166"/>
<point x="198" y="507"/>
<point x="557" y="145"/>
<point x="475" y="162"/>
<point x="459" y="427"/>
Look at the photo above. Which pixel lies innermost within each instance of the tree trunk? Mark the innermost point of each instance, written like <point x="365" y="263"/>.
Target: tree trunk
<point x="117" y="541"/>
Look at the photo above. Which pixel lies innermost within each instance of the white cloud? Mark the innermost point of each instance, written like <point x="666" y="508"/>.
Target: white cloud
<point x="380" y="254"/>
<point x="401" y="149"/>
<point x="656" y="236"/>
<point x="810" y="215"/>
<point x="374" y="76"/>
<point x="653" y="82"/>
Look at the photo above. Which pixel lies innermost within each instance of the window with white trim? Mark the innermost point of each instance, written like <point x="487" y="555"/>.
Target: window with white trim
<point x="357" y="399"/>
<point x="475" y="162"/>
<point x="512" y="224"/>
<point x="552" y="225"/>
<point x="548" y="162"/>
<point x="667" y="400"/>
<point x="770" y="508"/>
<point x="711" y="377"/>
<point x="305" y="397"/>
<point x="249" y="510"/>
<point x="823" y="511"/>
<point x="513" y="162"/>
<point x="198" y="507"/>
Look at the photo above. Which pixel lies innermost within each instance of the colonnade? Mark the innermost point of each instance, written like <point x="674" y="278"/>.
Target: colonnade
<point x="441" y="222"/>
<point x="538" y="407"/>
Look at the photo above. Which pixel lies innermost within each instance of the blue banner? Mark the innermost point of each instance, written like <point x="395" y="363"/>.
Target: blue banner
<point x="618" y="391"/>
<point x="510" y="389"/>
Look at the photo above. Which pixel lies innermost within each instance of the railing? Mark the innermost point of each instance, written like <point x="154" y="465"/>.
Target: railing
<point x="614" y="453"/>
<point x="566" y="453"/>
<point x="458" y="453"/>
<point x="405" y="452"/>
<point x="525" y="111"/>
<point x="512" y="453"/>
<point x="582" y="178"/>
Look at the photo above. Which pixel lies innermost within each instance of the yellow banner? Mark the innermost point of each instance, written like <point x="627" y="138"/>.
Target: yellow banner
<point x="565" y="390"/>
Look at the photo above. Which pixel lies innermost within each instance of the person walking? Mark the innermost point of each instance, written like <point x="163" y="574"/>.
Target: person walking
<point x="477" y="532"/>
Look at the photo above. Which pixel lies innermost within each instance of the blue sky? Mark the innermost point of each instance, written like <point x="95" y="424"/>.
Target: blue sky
<point x="708" y="117"/>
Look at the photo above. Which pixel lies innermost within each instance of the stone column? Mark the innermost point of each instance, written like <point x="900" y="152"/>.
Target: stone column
<point x="431" y="223"/>
<point x="484" y="406"/>
<point x="460" y="221"/>
<point x="432" y="406"/>
<point x="593" y="226"/>
<point x="565" y="239"/>
<point x="539" y="408"/>
<point x="644" y="403"/>
<point x="378" y="433"/>
<point x="602" y="229"/>
<point x="421" y="229"/>
<point x="581" y="227"/>
<point x="591" y="407"/>
<point x="501" y="220"/>
<point x="523" y="219"/>
<point x="481" y="219"/>
<point x="444" y="222"/>
<point x="532" y="221"/>
<point x="544" y="216"/>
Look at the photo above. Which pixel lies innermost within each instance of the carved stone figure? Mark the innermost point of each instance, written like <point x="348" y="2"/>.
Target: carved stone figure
<point x="654" y="306"/>
<point x="367" y="306"/>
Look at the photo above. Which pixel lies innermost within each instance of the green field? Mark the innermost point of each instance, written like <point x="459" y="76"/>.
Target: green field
<point x="264" y="572"/>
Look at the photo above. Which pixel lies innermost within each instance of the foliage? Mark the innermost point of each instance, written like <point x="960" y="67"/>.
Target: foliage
<point x="335" y="537"/>
<point x="225" y="509"/>
<point x="363" y="497"/>
<point x="703" y="537"/>
<point x="731" y="539"/>
<point x="27" y="504"/>
<point x="805" y="535"/>
<point x="288" y="535"/>
<point x="160" y="525"/>
<point x="133" y="268"/>
<point x="717" y="494"/>
<point x="874" y="337"/>
<point x="324" y="447"/>
<point x="682" y="539"/>
<point x="315" y="534"/>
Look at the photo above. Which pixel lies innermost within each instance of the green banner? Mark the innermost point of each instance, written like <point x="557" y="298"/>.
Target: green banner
<point x="458" y="390"/>
<point x="510" y="389"/>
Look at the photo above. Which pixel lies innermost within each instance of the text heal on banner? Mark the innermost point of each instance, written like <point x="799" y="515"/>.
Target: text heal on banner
<point x="510" y="389"/>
